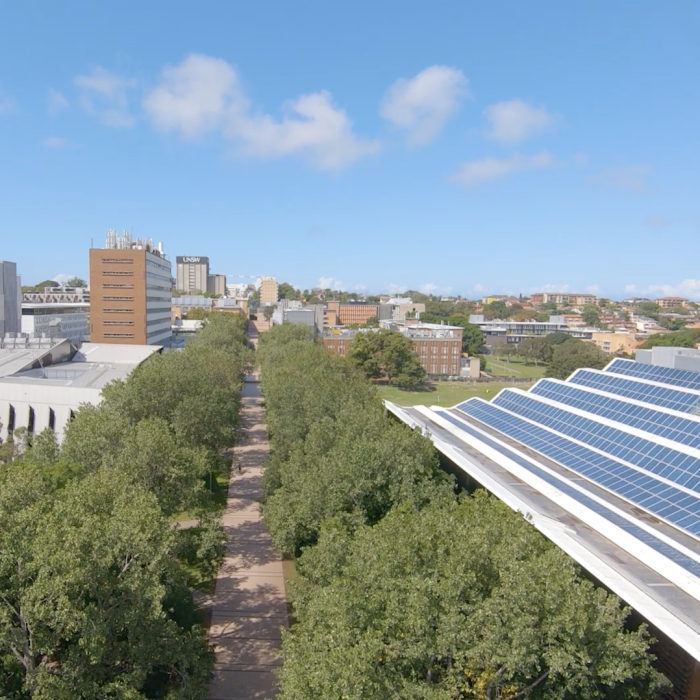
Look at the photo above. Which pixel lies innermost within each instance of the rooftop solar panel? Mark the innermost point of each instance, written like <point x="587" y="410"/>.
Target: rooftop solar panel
<point x="670" y="464"/>
<point x="685" y="431"/>
<point x="675" y="377"/>
<point x="667" y="502"/>
<point x="657" y="544"/>
<point x="665" y="396"/>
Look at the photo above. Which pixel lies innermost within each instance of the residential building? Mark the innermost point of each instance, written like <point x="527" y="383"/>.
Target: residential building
<point x="438" y="347"/>
<point x="603" y="464"/>
<point x="616" y="342"/>
<point x="44" y="381"/>
<point x="57" y="320"/>
<point x="191" y="273"/>
<point x="672" y="302"/>
<point x="269" y="290"/>
<point x="130" y="292"/>
<point x="10" y="299"/>
<point x="561" y="299"/>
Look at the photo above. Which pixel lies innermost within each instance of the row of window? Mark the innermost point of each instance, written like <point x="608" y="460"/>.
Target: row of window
<point x="12" y="419"/>
<point x="118" y="273"/>
<point x="118" y="286"/>
<point x="117" y="298"/>
<point x="118" y="323"/>
<point x="118" y="261"/>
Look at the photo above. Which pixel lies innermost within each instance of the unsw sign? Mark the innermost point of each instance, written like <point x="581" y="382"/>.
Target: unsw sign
<point x="198" y="261"/>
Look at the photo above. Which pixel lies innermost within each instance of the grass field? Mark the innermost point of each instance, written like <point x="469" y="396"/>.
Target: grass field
<point x="515" y="368"/>
<point x="444" y="393"/>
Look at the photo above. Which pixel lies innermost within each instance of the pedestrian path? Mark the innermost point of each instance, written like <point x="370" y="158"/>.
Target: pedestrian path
<point x="249" y="608"/>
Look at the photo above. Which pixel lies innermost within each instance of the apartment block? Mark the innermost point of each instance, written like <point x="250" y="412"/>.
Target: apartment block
<point x="351" y="313"/>
<point x="563" y="299"/>
<point x="130" y="292"/>
<point x="269" y="290"/>
<point x="672" y="302"/>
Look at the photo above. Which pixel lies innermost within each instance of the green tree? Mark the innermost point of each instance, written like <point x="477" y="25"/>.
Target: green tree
<point x="39" y="288"/>
<point x="649" y="308"/>
<point x="574" y="354"/>
<point x="91" y="600"/>
<point x="197" y="314"/>
<point x="682" y="339"/>
<point x="287" y="291"/>
<point x="472" y="337"/>
<point x="76" y="282"/>
<point x="389" y="354"/>
<point x="463" y="601"/>
<point x="591" y="315"/>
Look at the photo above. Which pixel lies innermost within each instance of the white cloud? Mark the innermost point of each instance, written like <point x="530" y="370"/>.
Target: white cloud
<point x="479" y="171"/>
<point x="551" y="288"/>
<point x="57" y="101"/>
<point x="593" y="289"/>
<point x="62" y="278"/>
<point x="514" y="121"/>
<point x="631" y="178"/>
<point x="104" y="94"/>
<point x="56" y="142"/>
<point x="689" y="289"/>
<point x="330" y="283"/>
<point x="393" y="288"/>
<point x="203" y="94"/>
<point x="428" y="288"/>
<point x="423" y="104"/>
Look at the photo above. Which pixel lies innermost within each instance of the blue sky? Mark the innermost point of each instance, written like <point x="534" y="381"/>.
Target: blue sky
<point x="457" y="147"/>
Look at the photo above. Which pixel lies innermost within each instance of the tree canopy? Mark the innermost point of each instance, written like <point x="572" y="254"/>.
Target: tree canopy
<point x="682" y="339"/>
<point x="574" y="354"/>
<point x="387" y="353"/>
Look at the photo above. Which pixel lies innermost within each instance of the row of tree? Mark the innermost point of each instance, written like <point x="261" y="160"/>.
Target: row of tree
<point x="408" y="589"/>
<point x="94" y="594"/>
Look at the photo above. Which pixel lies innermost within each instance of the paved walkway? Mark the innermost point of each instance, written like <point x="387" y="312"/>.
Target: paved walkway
<point x="249" y="607"/>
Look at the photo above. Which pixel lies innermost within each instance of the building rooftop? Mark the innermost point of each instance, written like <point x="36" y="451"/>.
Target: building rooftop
<point x="20" y="353"/>
<point x="607" y="465"/>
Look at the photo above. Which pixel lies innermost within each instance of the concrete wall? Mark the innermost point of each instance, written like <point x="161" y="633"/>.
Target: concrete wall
<point x="10" y="299"/>
<point x="674" y="358"/>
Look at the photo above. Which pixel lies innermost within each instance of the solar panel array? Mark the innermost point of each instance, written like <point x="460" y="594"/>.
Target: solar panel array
<point x="631" y="429"/>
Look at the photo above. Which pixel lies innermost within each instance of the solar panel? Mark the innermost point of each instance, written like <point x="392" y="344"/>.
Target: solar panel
<point x="685" y="431"/>
<point x="654" y="542"/>
<point x="665" y="501"/>
<point x="664" y="396"/>
<point x="675" y="466"/>
<point x="666" y="375"/>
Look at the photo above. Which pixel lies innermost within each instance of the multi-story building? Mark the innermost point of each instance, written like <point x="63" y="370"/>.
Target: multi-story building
<point x="10" y="299"/>
<point x="672" y="302"/>
<point x="400" y="308"/>
<point x="351" y="313"/>
<point x="561" y="299"/>
<point x="438" y="347"/>
<point x="269" y="290"/>
<point x="616" y="342"/>
<point x="58" y="295"/>
<point x="54" y="320"/>
<point x="216" y="284"/>
<point x="130" y="292"/>
<point x="191" y="274"/>
<point x="181" y="306"/>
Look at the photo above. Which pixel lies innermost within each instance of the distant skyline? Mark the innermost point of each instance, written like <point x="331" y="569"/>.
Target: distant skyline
<point x="454" y="148"/>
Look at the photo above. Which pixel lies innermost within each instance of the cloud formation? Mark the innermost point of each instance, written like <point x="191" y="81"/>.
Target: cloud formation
<point x="422" y="105"/>
<point x="631" y="178"/>
<point x="330" y="283"/>
<point x="203" y="95"/>
<point x="7" y="104"/>
<point x="689" y="289"/>
<point x="478" y="172"/>
<point x="57" y="101"/>
<point x="104" y="94"/>
<point x="514" y="121"/>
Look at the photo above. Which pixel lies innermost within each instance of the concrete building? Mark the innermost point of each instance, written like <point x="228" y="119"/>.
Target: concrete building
<point x="58" y="295"/>
<point x="291" y="311"/>
<point x="517" y="331"/>
<point x="130" y="286"/>
<point x="672" y="302"/>
<point x="216" y="284"/>
<point x="561" y="299"/>
<point x="351" y="313"/>
<point x="269" y="290"/>
<point x="605" y="465"/>
<point x="43" y="382"/>
<point x="616" y="342"/>
<point x="191" y="274"/>
<point x="438" y="347"/>
<point x="10" y="299"/>
<point x="687" y="359"/>
<point x="180" y="306"/>
<point x="57" y="320"/>
<point x="399" y="308"/>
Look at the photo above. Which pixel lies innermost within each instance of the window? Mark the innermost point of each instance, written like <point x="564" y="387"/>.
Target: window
<point x="30" y="425"/>
<point x="118" y="311"/>
<point x="118" y="286"/>
<point x="119" y="335"/>
<point x="118" y="323"/>
<point x="117" y="298"/>
<point x="52" y="419"/>
<point x="118" y="261"/>
<point x="118" y="273"/>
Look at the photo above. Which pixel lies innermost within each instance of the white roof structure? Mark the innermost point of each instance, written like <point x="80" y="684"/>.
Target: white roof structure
<point x="607" y="465"/>
<point x="21" y="353"/>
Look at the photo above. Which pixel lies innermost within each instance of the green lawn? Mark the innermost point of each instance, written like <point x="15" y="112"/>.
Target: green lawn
<point x="444" y="393"/>
<point x="515" y="368"/>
